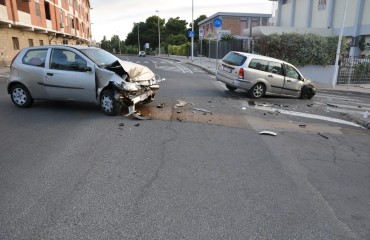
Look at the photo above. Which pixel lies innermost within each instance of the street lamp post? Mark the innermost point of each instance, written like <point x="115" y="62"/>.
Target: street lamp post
<point x="336" y="67"/>
<point x="138" y="35"/>
<point x="192" y="29"/>
<point x="119" y="44"/>
<point x="159" y="36"/>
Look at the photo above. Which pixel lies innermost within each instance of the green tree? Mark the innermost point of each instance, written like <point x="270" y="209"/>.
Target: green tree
<point x="174" y="26"/>
<point x="178" y="39"/>
<point x="106" y="45"/>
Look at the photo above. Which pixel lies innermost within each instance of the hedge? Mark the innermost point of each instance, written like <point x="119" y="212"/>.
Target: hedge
<point x="299" y="49"/>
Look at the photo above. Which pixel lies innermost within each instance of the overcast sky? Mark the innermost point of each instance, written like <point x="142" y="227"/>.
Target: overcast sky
<point x="116" y="17"/>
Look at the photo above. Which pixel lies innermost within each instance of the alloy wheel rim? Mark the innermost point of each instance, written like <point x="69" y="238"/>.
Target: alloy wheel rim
<point x="258" y="90"/>
<point x="107" y="103"/>
<point x="19" y="96"/>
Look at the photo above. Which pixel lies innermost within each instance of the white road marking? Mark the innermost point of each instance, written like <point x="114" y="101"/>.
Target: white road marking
<point x="305" y="115"/>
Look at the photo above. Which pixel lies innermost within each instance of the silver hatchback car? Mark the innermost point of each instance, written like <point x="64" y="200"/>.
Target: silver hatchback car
<point x="260" y="75"/>
<point x="79" y="73"/>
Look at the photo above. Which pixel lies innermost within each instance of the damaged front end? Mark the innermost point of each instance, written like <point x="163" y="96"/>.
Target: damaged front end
<point x="308" y="89"/>
<point x="132" y="83"/>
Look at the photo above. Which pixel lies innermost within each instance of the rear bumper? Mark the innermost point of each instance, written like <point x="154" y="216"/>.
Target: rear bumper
<point x="235" y="82"/>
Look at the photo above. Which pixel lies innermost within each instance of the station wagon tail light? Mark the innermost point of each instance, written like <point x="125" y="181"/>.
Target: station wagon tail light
<point x="241" y="73"/>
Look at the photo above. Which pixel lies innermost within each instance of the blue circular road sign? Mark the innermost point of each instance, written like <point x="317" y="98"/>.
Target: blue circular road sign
<point x="217" y="22"/>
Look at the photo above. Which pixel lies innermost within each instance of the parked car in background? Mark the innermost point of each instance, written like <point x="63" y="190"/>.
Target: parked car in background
<point x="260" y="75"/>
<point x="79" y="73"/>
<point x="142" y="54"/>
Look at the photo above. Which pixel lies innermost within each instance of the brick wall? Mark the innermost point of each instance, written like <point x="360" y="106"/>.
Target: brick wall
<point x="233" y="24"/>
<point x="7" y="51"/>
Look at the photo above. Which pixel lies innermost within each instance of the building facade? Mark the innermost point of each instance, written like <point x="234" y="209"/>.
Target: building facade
<point x="326" y="18"/>
<point x="233" y="24"/>
<point x="25" y="23"/>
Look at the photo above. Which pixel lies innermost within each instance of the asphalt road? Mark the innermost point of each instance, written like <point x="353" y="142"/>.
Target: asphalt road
<point x="200" y="171"/>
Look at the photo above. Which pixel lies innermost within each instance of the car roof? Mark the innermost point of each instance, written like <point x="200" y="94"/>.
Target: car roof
<point x="251" y="55"/>
<point x="78" y="47"/>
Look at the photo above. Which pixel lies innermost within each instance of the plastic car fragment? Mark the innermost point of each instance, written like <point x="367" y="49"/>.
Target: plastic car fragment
<point x="268" y="133"/>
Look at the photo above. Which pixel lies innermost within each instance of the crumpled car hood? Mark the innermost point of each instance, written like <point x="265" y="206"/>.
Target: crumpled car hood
<point x="137" y="72"/>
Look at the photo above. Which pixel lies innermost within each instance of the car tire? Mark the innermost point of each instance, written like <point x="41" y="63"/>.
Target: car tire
<point x="307" y="92"/>
<point x="257" y="91"/>
<point x="20" y="96"/>
<point x="108" y="103"/>
<point x="231" y="88"/>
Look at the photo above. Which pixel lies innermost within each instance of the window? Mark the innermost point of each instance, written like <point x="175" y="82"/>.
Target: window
<point x="67" y="60"/>
<point x="275" y="68"/>
<point x="70" y="2"/>
<point x="41" y="42"/>
<point x="322" y="5"/>
<point x="265" y="22"/>
<point x="30" y="42"/>
<point x="285" y="1"/>
<point x="65" y="42"/>
<point x="72" y="22"/>
<point x="234" y="59"/>
<point x="291" y="72"/>
<point x="15" y="43"/>
<point x="47" y="10"/>
<point x="259" y="64"/>
<point x="37" y="8"/>
<point x="61" y="20"/>
<point x="35" y="57"/>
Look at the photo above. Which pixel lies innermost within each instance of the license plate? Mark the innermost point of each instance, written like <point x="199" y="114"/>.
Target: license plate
<point x="226" y="69"/>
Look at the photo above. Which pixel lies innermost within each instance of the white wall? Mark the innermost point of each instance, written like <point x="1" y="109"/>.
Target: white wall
<point x="285" y="14"/>
<point x="301" y="13"/>
<point x="350" y="15"/>
<point x="320" y="74"/>
<point x="366" y="15"/>
<point x="319" y="18"/>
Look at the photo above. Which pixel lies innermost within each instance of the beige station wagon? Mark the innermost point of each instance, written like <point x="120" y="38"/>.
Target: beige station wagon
<point x="79" y="73"/>
<point x="260" y="75"/>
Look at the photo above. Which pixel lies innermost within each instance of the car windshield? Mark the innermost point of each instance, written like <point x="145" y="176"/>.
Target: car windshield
<point x="234" y="59"/>
<point x="99" y="56"/>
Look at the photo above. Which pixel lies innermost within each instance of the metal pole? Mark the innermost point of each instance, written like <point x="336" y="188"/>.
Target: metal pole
<point x="119" y="44"/>
<point x="159" y="36"/>
<point x="336" y="68"/>
<point x="192" y="29"/>
<point x="138" y="35"/>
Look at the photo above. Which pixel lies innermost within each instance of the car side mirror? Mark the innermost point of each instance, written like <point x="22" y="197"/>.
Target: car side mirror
<point x="86" y="69"/>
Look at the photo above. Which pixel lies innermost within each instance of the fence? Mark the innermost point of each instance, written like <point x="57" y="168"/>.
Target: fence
<point x="354" y="71"/>
<point x="209" y="48"/>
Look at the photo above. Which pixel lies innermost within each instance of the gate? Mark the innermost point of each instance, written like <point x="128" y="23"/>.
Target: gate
<point x="354" y="71"/>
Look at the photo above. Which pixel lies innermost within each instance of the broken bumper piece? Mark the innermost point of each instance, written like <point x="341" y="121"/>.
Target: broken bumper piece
<point x="147" y="95"/>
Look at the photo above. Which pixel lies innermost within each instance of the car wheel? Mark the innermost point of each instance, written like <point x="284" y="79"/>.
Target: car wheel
<point x="231" y="88"/>
<point x="21" y="97"/>
<point x="257" y="91"/>
<point x="108" y="103"/>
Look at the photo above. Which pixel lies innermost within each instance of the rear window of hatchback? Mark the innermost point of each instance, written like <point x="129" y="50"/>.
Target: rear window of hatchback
<point x="234" y="59"/>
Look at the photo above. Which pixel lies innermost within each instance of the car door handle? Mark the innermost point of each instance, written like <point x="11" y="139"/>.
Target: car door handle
<point x="289" y="80"/>
<point x="50" y="74"/>
<point x="270" y="75"/>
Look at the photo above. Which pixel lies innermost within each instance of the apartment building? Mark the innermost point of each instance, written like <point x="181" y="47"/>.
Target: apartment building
<point x="234" y="24"/>
<point x="25" y="23"/>
<point x="324" y="17"/>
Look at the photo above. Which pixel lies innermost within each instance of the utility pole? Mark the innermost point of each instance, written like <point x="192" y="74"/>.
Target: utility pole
<point x="192" y="29"/>
<point x="159" y="36"/>
<point x="336" y="68"/>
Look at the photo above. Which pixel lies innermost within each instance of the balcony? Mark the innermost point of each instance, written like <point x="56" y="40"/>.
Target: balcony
<point x="3" y="14"/>
<point x="24" y="19"/>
